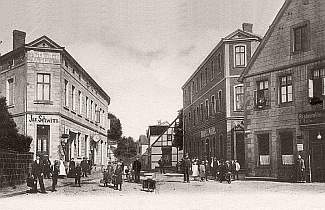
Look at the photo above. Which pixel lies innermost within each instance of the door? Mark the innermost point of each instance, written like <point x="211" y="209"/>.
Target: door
<point x="318" y="162"/>
<point x="43" y="140"/>
<point x="240" y="148"/>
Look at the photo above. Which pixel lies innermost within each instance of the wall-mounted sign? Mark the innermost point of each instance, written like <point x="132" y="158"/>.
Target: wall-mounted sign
<point x="208" y="132"/>
<point x="300" y="147"/>
<point x="42" y="119"/>
<point x="43" y="57"/>
<point x="312" y="117"/>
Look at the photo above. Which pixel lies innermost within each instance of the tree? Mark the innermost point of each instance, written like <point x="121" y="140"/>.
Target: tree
<point x="126" y="149"/>
<point x="10" y="139"/>
<point x="115" y="131"/>
<point x="178" y="130"/>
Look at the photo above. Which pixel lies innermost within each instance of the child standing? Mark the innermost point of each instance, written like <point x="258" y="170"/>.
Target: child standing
<point x="202" y="170"/>
<point x="78" y="173"/>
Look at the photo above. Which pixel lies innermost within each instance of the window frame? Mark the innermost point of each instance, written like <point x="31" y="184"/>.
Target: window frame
<point x="256" y="94"/>
<point x="294" y="28"/>
<point x="66" y="93"/>
<point x="240" y="53"/>
<point x="235" y="97"/>
<point x="286" y="86"/>
<point x="43" y="84"/>
<point x="11" y="102"/>
<point x="259" y="148"/>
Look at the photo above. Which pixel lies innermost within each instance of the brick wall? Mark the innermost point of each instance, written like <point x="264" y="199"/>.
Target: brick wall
<point x="14" y="167"/>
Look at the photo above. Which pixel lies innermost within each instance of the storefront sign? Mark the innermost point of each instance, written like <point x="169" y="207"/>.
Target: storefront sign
<point x="42" y="119"/>
<point x="43" y="57"/>
<point x="312" y="117"/>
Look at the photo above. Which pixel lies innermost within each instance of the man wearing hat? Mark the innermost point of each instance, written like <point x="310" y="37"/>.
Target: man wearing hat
<point x="136" y="167"/>
<point x="186" y="164"/>
<point x="38" y="173"/>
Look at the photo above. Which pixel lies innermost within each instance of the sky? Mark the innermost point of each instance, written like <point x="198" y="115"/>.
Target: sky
<point x="140" y="52"/>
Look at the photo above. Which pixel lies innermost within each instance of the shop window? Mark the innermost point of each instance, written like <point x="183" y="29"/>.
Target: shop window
<point x="300" y="37"/>
<point x="43" y="87"/>
<point x="262" y="97"/>
<point x="66" y="93"/>
<point x="10" y="92"/>
<point x="286" y="142"/>
<point x="43" y="139"/>
<point x="239" y="98"/>
<point x="316" y="86"/>
<point x="240" y="56"/>
<point x="286" y="89"/>
<point x="263" y="149"/>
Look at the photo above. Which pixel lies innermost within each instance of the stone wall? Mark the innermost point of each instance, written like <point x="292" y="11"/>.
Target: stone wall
<point x="14" y="167"/>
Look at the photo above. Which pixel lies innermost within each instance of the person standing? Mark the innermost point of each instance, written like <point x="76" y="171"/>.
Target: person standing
<point x="186" y="164"/>
<point x="47" y="167"/>
<point x="77" y="175"/>
<point x="84" y="167"/>
<point x="237" y="166"/>
<point x="300" y="169"/>
<point x="136" y="167"/>
<point x="72" y="166"/>
<point x="195" y="169"/>
<point x="38" y="174"/>
<point x="161" y="164"/>
<point x="202" y="170"/>
<point x="55" y="169"/>
<point x="62" y="171"/>
<point x="118" y="176"/>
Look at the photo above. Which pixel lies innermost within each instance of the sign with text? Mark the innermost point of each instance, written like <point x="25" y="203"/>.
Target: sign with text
<point x="43" y="57"/>
<point x="42" y="119"/>
<point x="312" y="117"/>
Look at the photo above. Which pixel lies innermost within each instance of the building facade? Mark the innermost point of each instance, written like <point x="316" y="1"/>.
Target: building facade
<point x="284" y="93"/>
<point x="54" y="100"/>
<point x="213" y="99"/>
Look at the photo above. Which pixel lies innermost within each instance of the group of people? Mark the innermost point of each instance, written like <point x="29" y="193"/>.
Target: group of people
<point x="217" y="169"/>
<point x="114" y="172"/>
<point x="42" y="168"/>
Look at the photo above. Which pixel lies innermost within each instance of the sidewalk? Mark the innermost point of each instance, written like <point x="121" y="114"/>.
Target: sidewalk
<point x="22" y="189"/>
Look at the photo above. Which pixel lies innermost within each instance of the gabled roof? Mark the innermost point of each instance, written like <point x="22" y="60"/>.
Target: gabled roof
<point x="265" y="39"/>
<point x="238" y="35"/>
<point x="44" y="42"/>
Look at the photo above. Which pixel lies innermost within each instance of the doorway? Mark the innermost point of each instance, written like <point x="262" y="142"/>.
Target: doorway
<point x="317" y="156"/>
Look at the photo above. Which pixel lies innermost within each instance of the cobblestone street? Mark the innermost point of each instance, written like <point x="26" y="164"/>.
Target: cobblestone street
<point x="193" y="195"/>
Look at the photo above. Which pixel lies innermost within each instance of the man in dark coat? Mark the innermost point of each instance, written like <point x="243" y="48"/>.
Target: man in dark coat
<point x="47" y="167"/>
<point x="186" y="165"/>
<point x="77" y="175"/>
<point x="55" y="169"/>
<point x="72" y="166"/>
<point x="38" y="173"/>
<point x="84" y="167"/>
<point x="300" y="169"/>
<point x="136" y="167"/>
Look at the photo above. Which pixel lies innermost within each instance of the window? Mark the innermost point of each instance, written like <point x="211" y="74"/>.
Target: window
<point x="201" y="81"/>
<point x="286" y="142"/>
<point x="262" y="94"/>
<point x="263" y="149"/>
<point x="212" y="70"/>
<point x="239" y="98"/>
<point x="43" y="87"/>
<point x="189" y="94"/>
<point x="240" y="56"/>
<point x="213" y="105"/>
<point x="219" y="60"/>
<point x="66" y="93"/>
<point x="300" y="38"/>
<point x="10" y="91"/>
<point x="219" y="104"/>
<point x="87" y="107"/>
<point x="91" y="110"/>
<point x="197" y="84"/>
<point x="194" y="116"/>
<point x="202" y="112"/>
<point x="189" y="118"/>
<point x="286" y="89"/>
<point x="207" y="108"/>
<point x="206" y="76"/>
<point x="316" y="86"/>
<point x="78" y="145"/>
<point x="73" y="97"/>
<point x="197" y="113"/>
<point x="43" y="139"/>
<point x="80" y="102"/>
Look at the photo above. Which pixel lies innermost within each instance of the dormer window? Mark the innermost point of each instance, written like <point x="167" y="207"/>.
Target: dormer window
<point x="240" y="56"/>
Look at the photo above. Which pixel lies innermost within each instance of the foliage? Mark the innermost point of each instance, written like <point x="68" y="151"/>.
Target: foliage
<point x="178" y="138"/>
<point x="10" y="139"/>
<point x="126" y="148"/>
<point x="115" y="131"/>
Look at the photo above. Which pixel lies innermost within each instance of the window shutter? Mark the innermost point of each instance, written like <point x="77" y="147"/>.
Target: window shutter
<point x="310" y="88"/>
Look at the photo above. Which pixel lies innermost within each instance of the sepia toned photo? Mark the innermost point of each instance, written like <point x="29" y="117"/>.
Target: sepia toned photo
<point x="162" y="104"/>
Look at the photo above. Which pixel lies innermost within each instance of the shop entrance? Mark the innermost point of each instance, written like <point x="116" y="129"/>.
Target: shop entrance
<point x="317" y="156"/>
<point x="240" y="148"/>
<point x="43" y="140"/>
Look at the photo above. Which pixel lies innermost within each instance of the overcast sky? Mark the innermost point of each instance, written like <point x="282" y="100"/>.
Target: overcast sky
<point x="140" y="51"/>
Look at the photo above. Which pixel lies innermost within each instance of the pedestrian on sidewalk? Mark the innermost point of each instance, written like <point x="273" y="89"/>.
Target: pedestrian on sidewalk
<point x="105" y="177"/>
<point x="72" y="166"/>
<point x="186" y="164"/>
<point x="300" y="165"/>
<point x="55" y="169"/>
<point x="136" y="167"/>
<point x="195" y="170"/>
<point x="161" y="163"/>
<point x="207" y="169"/>
<point x="62" y="172"/>
<point x="237" y="169"/>
<point x="84" y="167"/>
<point x="47" y="167"/>
<point x="202" y="171"/>
<point x="77" y="175"/>
<point x="38" y="174"/>
<point x="118" y="176"/>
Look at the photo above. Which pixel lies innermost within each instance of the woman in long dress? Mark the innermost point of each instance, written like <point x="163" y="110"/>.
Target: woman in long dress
<point x="195" y="169"/>
<point x="62" y="171"/>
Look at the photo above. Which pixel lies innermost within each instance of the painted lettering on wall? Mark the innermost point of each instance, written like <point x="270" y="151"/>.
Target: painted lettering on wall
<point x="42" y="119"/>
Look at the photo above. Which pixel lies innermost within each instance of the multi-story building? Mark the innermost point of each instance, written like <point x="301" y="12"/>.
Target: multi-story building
<point x="284" y="93"/>
<point x="213" y="99"/>
<point x="54" y="100"/>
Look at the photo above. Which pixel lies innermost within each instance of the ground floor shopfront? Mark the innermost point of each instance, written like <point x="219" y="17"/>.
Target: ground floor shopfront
<point x="61" y="137"/>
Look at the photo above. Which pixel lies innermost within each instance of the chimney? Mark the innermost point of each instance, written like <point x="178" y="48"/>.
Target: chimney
<point x="18" y="39"/>
<point x="248" y="27"/>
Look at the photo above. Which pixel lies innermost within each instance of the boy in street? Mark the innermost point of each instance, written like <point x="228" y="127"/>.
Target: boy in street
<point x="77" y="175"/>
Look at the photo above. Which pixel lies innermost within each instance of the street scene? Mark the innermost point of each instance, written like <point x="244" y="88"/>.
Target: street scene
<point x="145" y="104"/>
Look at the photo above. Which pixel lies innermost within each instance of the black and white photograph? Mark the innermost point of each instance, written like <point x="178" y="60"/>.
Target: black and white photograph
<point x="162" y="104"/>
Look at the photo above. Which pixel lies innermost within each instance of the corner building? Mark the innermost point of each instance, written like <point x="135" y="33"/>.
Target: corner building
<point x="213" y="99"/>
<point x="284" y="94"/>
<point x="51" y="96"/>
